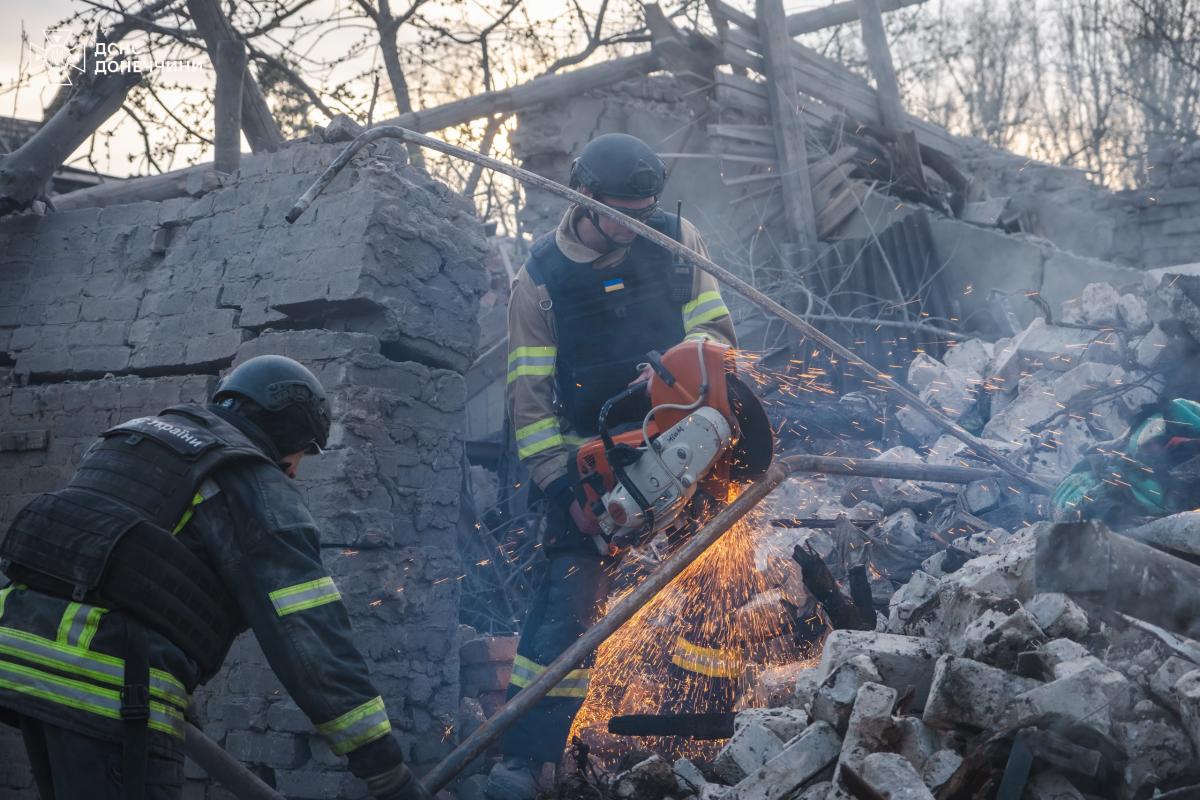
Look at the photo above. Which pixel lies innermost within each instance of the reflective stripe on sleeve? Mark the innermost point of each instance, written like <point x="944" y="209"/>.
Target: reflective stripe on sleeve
<point x="309" y="594"/>
<point x="705" y="308"/>
<point x="575" y="684"/>
<point x="708" y="661"/>
<point x="531" y="361"/>
<point x="538" y="436"/>
<point x="358" y="726"/>
<point x="83" y="696"/>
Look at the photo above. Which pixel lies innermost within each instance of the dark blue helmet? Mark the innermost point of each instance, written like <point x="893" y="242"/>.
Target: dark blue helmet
<point x="288" y="402"/>
<point x="619" y="165"/>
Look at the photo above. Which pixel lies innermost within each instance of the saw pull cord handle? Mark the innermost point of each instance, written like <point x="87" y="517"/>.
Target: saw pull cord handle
<point x="610" y="449"/>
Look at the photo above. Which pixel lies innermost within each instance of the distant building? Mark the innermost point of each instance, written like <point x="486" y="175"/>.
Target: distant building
<point x="15" y="132"/>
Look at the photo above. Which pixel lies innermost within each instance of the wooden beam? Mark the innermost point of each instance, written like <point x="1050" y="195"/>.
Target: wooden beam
<point x="188" y="182"/>
<point x="227" y="105"/>
<point x="545" y="89"/>
<point x="25" y="171"/>
<point x="836" y="14"/>
<point x="891" y="109"/>
<point x="783" y="93"/>
<point x="260" y="127"/>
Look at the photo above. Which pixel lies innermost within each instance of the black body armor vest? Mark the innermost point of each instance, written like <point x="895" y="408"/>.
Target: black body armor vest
<point x="609" y="319"/>
<point x="106" y="538"/>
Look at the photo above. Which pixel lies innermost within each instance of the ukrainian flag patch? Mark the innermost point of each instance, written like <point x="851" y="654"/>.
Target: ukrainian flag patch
<point x="614" y="285"/>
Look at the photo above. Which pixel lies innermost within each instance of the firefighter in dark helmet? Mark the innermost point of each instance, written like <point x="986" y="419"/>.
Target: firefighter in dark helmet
<point x="177" y="532"/>
<point x="592" y="300"/>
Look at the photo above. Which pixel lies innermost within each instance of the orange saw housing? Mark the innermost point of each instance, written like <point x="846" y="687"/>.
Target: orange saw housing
<point x="726" y="395"/>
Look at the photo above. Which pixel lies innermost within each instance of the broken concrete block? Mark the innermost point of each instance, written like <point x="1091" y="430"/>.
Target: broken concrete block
<point x="1074" y="699"/>
<point x="747" y="750"/>
<point x="901" y="661"/>
<point x="1109" y="347"/>
<point x="1058" y="615"/>
<point x="1187" y="694"/>
<point x="652" y="779"/>
<point x="996" y="637"/>
<point x="980" y="497"/>
<point x="1096" y="305"/>
<point x="1006" y="573"/>
<point x="1087" y="378"/>
<point x="984" y="542"/>
<point x="797" y="763"/>
<point x="893" y="777"/>
<point x="1155" y="349"/>
<point x="972" y="356"/>
<point x="774" y="687"/>
<point x="915" y="740"/>
<point x="921" y="587"/>
<point x="786" y="723"/>
<point x="1133" y="313"/>
<point x="939" y="768"/>
<point x="971" y="694"/>
<point x="834" y="700"/>
<point x="688" y="777"/>
<point x="871" y="724"/>
<point x="1034" y="405"/>
<point x="1039" y="346"/>
<point x="899" y="530"/>
<point x="1156" y="751"/>
<point x="1165" y="678"/>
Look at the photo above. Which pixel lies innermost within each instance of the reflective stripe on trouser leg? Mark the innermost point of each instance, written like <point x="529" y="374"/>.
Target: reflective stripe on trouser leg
<point x="566" y="603"/>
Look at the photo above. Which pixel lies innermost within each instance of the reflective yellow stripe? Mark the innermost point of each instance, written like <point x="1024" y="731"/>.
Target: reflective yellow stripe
<point x="302" y="596"/>
<point x="531" y="361"/>
<point x="705" y="308"/>
<point x="78" y="625"/>
<point x="83" y="696"/>
<point x="197" y="499"/>
<point x="575" y="684"/>
<point x="358" y="726"/>
<point x="538" y="436"/>
<point x="708" y="661"/>
<point x="85" y="664"/>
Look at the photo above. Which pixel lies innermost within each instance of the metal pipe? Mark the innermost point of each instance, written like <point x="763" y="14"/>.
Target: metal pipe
<point x="869" y="468"/>
<point x="703" y="262"/>
<point x="596" y="635"/>
<point x="223" y="768"/>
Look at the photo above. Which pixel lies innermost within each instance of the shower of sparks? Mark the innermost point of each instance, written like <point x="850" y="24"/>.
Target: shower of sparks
<point x="709" y="604"/>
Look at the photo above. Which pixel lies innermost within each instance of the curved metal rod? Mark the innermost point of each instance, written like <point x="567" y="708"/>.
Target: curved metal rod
<point x="703" y="262"/>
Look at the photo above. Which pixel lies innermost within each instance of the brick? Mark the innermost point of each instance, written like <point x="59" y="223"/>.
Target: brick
<point x="277" y="750"/>
<point x="488" y="648"/>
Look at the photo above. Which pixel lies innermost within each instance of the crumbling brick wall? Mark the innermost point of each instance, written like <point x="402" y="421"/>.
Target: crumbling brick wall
<point x="106" y="314"/>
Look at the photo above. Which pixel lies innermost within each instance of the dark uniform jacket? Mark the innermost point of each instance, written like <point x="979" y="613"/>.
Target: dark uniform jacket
<point x="60" y="661"/>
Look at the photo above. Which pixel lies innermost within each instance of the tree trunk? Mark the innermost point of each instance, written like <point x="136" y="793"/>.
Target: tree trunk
<point x="388" y="28"/>
<point x="259" y="125"/>
<point x="25" y="171"/>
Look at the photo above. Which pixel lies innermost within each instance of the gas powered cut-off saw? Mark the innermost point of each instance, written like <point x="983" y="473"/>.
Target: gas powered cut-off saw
<point x="704" y="431"/>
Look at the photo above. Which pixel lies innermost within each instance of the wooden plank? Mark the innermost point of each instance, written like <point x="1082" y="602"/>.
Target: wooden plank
<point x="227" y="105"/>
<point x="260" y="127"/>
<point x="830" y="83"/>
<point x="836" y="14"/>
<point x="879" y="58"/>
<point x="840" y="208"/>
<point x="804" y="21"/>
<point x="790" y="134"/>
<point x="887" y="88"/>
<point x="728" y="96"/>
<point x="545" y="89"/>
<point x="760" y="134"/>
<point x="735" y="147"/>
<point x="761" y="162"/>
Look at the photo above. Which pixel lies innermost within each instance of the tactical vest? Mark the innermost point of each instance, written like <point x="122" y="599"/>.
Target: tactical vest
<point x="106" y="538"/>
<point x="609" y="319"/>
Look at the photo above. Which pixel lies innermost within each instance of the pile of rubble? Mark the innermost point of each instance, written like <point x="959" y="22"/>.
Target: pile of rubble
<point x="974" y="683"/>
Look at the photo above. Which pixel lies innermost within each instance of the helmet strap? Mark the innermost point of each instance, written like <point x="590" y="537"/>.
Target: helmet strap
<point x="594" y="218"/>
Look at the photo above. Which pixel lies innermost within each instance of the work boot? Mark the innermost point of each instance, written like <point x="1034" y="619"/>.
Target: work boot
<point x="512" y="779"/>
